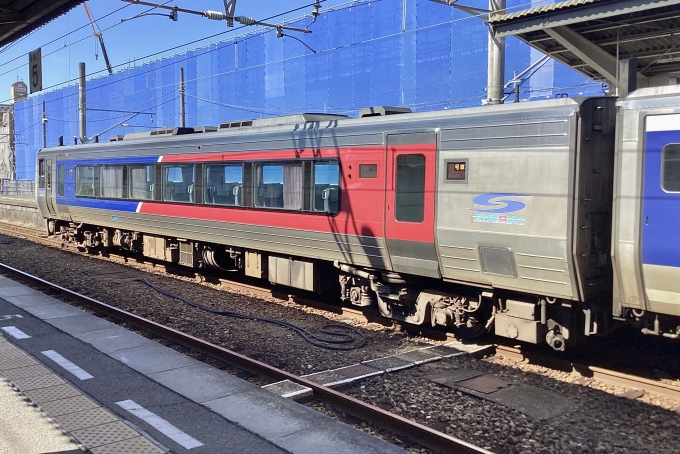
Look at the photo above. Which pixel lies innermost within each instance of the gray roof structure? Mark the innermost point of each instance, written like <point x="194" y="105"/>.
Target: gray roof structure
<point x="20" y="17"/>
<point x="589" y="35"/>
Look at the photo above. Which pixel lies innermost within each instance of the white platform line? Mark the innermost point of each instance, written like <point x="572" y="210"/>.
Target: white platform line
<point x="15" y="332"/>
<point x="68" y="365"/>
<point x="160" y="424"/>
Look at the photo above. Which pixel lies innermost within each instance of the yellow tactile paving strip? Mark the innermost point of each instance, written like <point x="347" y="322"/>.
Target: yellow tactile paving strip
<point x="94" y="427"/>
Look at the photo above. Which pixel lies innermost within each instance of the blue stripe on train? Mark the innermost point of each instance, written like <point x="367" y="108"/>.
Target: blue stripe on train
<point x="100" y="204"/>
<point x="660" y="209"/>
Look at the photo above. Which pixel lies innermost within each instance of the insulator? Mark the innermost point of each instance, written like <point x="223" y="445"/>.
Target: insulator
<point x="214" y="15"/>
<point x="245" y="20"/>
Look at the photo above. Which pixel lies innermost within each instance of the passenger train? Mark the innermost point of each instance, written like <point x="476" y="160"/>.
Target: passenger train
<point x="543" y="221"/>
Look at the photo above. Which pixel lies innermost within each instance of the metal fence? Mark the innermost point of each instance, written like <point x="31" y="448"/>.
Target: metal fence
<point x="17" y="187"/>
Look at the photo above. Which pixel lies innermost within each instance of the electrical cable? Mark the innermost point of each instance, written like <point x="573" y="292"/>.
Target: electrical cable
<point x="333" y="340"/>
<point x="56" y="39"/>
<point x="155" y="53"/>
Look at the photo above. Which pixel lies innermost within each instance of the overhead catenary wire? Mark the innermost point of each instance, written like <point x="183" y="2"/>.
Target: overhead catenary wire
<point x="208" y="50"/>
<point x="180" y="46"/>
<point x="332" y="339"/>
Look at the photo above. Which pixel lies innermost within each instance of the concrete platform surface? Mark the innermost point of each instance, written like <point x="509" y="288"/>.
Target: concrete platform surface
<point x="116" y="391"/>
<point x="26" y="430"/>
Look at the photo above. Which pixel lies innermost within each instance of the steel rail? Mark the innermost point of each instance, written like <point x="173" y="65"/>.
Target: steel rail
<point x="597" y="373"/>
<point x="229" y="284"/>
<point x="417" y="432"/>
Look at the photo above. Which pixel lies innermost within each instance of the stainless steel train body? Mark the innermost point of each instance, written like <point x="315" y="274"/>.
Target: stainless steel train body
<point x="471" y="218"/>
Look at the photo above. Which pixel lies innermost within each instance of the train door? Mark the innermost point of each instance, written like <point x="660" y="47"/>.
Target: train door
<point x="49" y="188"/>
<point x="409" y="211"/>
<point x="45" y="190"/>
<point x="661" y="213"/>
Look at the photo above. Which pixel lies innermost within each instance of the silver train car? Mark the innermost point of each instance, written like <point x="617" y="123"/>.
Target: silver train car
<point x="540" y="221"/>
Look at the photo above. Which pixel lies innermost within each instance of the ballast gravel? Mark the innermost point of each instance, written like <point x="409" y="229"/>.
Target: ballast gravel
<point x="601" y="422"/>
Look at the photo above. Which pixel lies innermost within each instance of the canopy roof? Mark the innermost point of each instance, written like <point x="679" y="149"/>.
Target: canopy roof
<point x="588" y="35"/>
<point x="20" y="17"/>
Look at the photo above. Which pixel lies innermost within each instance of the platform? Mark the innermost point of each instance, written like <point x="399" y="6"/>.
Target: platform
<point x="21" y="210"/>
<point x="114" y="391"/>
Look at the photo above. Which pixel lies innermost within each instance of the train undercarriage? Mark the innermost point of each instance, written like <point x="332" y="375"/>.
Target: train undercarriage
<point x="468" y="311"/>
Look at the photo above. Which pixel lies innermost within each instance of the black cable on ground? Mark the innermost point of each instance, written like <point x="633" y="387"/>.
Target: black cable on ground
<point x="332" y="339"/>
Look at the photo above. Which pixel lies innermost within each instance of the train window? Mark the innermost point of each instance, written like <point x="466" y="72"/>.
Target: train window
<point x="142" y="180"/>
<point x="224" y="184"/>
<point x="671" y="168"/>
<point x="111" y="182"/>
<point x="61" y="175"/>
<point x="178" y="183"/>
<point x="410" y="188"/>
<point x="278" y="186"/>
<point x="326" y="187"/>
<point x="368" y="170"/>
<point x="85" y="181"/>
<point x="41" y="174"/>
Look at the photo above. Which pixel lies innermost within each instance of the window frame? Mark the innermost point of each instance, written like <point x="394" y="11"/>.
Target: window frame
<point x="335" y="162"/>
<point x="164" y="182"/>
<point x="129" y="182"/>
<point x="257" y="185"/>
<point x="662" y="180"/>
<point x="124" y="183"/>
<point x="61" y="180"/>
<point x="95" y="181"/>
<point x="206" y="186"/>
<point x="396" y="187"/>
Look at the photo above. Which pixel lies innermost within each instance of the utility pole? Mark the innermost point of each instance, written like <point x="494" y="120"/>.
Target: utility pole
<point x="82" y="104"/>
<point x="44" y="126"/>
<point x="182" y="113"/>
<point x="496" y="70"/>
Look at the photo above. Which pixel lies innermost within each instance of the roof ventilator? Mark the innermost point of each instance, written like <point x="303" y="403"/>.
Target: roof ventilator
<point x="381" y="111"/>
<point x="155" y="133"/>
<point x="295" y="119"/>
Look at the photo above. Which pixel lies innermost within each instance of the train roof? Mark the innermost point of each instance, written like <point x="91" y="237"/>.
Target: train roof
<point x="318" y="124"/>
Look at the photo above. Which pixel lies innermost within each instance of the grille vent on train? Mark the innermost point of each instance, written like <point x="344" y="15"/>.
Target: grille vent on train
<point x="162" y="132"/>
<point x="282" y="120"/>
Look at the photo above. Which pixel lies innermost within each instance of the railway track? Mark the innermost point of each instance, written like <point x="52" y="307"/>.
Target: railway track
<point x="602" y="374"/>
<point x="419" y="433"/>
<point x="589" y="371"/>
<point x="146" y="264"/>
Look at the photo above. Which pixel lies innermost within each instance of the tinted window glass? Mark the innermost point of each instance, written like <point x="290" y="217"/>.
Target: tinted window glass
<point x="142" y="182"/>
<point x="224" y="185"/>
<point x="85" y="181"/>
<point x="671" y="168"/>
<point x="410" y="188"/>
<point x="41" y="174"/>
<point x="368" y="170"/>
<point x="178" y="183"/>
<point x="279" y="186"/>
<point x="111" y="182"/>
<point x="61" y="174"/>
<point x="326" y="186"/>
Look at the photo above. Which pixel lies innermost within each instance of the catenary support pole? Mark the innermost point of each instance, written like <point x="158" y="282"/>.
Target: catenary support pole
<point x="182" y="114"/>
<point x="494" y="90"/>
<point x="82" y="104"/>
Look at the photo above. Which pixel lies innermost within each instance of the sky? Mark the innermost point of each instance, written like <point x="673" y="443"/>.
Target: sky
<point x="69" y="39"/>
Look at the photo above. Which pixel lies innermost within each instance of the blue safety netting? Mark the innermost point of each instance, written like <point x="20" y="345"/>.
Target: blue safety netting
<point x="411" y="53"/>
